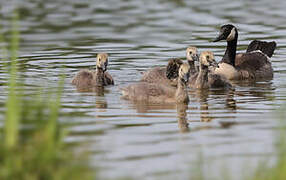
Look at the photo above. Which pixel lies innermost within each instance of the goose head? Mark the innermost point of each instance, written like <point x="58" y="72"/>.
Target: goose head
<point x="207" y="59"/>
<point x="184" y="73"/>
<point x="173" y="68"/>
<point x="192" y="54"/>
<point x="102" y="61"/>
<point x="227" y="32"/>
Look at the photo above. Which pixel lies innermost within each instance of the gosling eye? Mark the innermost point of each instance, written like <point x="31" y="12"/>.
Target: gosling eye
<point x="208" y="57"/>
<point x="190" y="53"/>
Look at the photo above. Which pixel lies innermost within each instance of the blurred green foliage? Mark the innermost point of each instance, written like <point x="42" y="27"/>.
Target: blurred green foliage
<point x="32" y="140"/>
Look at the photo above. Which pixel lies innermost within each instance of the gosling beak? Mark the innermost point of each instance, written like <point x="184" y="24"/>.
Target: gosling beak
<point x="219" y="37"/>
<point x="213" y="63"/>
<point x="186" y="78"/>
<point x="104" y="66"/>
<point x="195" y="57"/>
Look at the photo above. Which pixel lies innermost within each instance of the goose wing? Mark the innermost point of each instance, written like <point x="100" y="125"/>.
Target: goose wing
<point x="251" y="61"/>
<point x="265" y="47"/>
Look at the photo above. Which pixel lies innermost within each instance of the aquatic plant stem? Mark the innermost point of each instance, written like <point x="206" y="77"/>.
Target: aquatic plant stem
<point x="13" y="104"/>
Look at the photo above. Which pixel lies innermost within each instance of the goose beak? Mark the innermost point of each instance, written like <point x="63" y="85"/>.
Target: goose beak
<point x="219" y="37"/>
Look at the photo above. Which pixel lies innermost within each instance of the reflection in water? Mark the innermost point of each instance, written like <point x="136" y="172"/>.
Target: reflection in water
<point x="99" y="90"/>
<point x="230" y="102"/>
<point x="101" y="104"/>
<point x="145" y="107"/>
<point x="203" y="95"/>
<point x="182" y="117"/>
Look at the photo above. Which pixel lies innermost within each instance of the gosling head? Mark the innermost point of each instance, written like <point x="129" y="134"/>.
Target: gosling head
<point x="102" y="61"/>
<point x="192" y="54"/>
<point x="207" y="59"/>
<point x="184" y="72"/>
<point x="227" y="32"/>
<point x="173" y="68"/>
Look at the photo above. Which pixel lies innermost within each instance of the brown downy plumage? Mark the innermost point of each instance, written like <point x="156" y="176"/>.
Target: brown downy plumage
<point x="203" y="79"/>
<point x="89" y="78"/>
<point x="192" y="56"/>
<point x="168" y="75"/>
<point x="159" y="93"/>
<point x="164" y="75"/>
<point x="254" y="64"/>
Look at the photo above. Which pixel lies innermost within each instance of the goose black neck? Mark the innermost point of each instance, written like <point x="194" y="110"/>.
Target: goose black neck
<point x="230" y="53"/>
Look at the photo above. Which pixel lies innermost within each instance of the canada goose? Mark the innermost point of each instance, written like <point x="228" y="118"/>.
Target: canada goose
<point x="203" y="79"/>
<point x="167" y="75"/>
<point x="254" y="64"/>
<point x="164" y="75"/>
<point x="159" y="93"/>
<point x="88" y="78"/>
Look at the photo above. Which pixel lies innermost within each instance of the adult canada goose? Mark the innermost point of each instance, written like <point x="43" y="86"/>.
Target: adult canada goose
<point x="89" y="78"/>
<point x="159" y="93"/>
<point x="203" y="79"/>
<point x="254" y="64"/>
<point x="168" y="75"/>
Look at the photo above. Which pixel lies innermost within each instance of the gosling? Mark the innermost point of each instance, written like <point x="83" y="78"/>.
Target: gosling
<point x="203" y="79"/>
<point x="168" y="75"/>
<point x="164" y="75"/>
<point x="89" y="78"/>
<point x="192" y="56"/>
<point x="159" y="93"/>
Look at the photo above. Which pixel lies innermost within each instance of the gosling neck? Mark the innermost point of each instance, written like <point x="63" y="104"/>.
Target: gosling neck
<point x="230" y="53"/>
<point x="192" y="67"/>
<point x="203" y="74"/>
<point x="99" y="78"/>
<point x="202" y="79"/>
<point x="181" y="92"/>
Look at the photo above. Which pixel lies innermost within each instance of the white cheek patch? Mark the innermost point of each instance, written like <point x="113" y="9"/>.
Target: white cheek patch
<point x="232" y="34"/>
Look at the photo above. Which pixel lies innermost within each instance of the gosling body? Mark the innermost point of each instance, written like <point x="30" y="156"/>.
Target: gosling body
<point x="159" y="93"/>
<point x="86" y="78"/>
<point x="203" y="79"/>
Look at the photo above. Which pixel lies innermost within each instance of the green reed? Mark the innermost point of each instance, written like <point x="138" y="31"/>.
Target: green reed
<point x="32" y="143"/>
<point x="278" y="170"/>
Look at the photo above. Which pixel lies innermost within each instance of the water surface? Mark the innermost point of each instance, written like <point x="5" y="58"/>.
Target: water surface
<point x="217" y="129"/>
